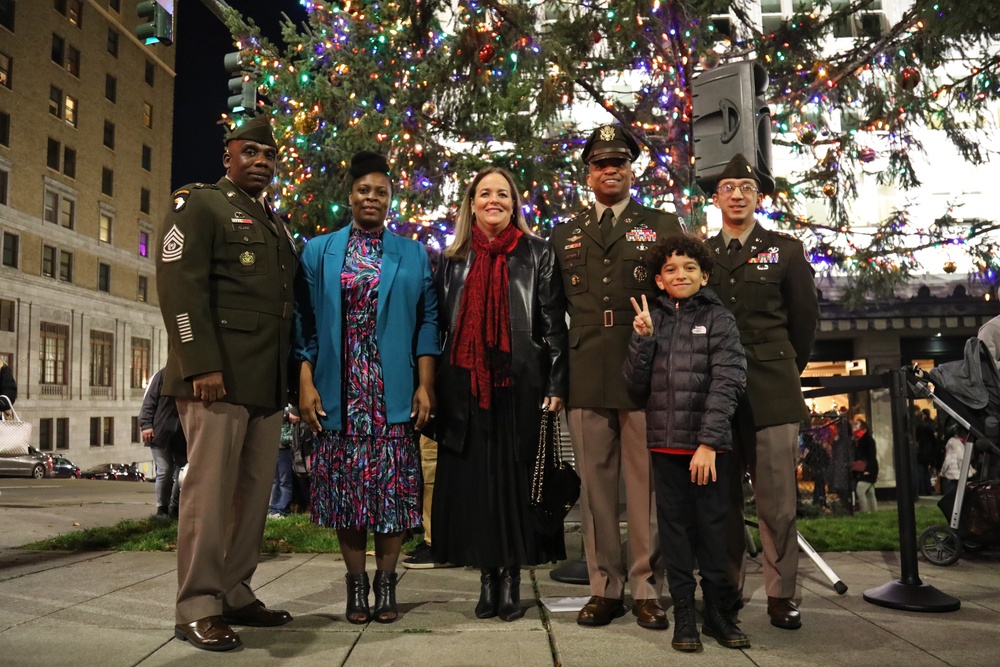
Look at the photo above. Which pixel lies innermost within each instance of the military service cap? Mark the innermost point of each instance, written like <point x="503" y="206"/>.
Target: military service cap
<point x="367" y="162"/>
<point x="610" y="141"/>
<point x="739" y="167"/>
<point x="256" y="129"/>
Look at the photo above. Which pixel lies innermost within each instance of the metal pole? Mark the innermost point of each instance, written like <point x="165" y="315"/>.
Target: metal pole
<point x="217" y="7"/>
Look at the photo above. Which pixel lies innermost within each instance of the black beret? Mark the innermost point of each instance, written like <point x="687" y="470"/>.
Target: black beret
<point x="739" y="167"/>
<point x="610" y="141"/>
<point x="367" y="162"/>
<point x="256" y="129"/>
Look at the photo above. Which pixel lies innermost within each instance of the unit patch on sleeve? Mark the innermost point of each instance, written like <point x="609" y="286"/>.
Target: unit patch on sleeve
<point x="180" y="199"/>
<point x="173" y="245"/>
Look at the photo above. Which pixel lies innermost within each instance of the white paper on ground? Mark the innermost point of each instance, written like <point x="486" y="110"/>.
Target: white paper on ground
<point x="565" y="604"/>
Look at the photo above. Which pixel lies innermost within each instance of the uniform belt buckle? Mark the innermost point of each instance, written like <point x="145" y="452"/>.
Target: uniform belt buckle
<point x="609" y="318"/>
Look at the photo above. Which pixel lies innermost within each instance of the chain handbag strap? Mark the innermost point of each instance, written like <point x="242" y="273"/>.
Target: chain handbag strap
<point x="538" y="478"/>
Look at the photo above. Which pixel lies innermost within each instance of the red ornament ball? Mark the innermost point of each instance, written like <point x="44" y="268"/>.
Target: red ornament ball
<point x="486" y="53"/>
<point x="867" y="155"/>
<point x="596" y="37"/>
<point x="908" y="79"/>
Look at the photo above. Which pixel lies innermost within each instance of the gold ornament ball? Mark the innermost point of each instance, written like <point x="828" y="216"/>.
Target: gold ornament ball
<point x="305" y="124"/>
<point x="950" y="267"/>
<point x="820" y="70"/>
<point x="428" y="109"/>
<point x="807" y="134"/>
<point x="830" y="189"/>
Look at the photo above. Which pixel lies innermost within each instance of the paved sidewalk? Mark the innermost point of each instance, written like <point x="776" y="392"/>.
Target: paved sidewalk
<point x="107" y="609"/>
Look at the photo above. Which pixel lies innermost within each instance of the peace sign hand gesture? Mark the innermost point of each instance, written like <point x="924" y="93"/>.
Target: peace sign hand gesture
<point x="643" y="323"/>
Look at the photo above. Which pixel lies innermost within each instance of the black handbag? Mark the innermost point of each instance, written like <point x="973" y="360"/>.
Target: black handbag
<point x="555" y="486"/>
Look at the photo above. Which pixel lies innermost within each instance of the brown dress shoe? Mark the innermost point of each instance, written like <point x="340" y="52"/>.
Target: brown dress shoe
<point x="600" y="611"/>
<point x="257" y="615"/>
<point x="649" y="614"/>
<point x="210" y="634"/>
<point x="784" y="613"/>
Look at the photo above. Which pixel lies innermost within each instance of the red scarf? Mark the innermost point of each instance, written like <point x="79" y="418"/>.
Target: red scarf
<point x="482" y="335"/>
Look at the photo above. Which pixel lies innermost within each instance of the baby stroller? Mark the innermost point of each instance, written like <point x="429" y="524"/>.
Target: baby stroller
<point x="969" y="391"/>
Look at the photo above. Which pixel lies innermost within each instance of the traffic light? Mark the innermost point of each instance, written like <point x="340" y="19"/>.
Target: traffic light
<point x="159" y="23"/>
<point x="730" y="116"/>
<point x="242" y="82"/>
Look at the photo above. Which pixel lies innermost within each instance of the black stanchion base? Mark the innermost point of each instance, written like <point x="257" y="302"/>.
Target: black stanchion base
<point x="911" y="597"/>
<point x="571" y="572"/>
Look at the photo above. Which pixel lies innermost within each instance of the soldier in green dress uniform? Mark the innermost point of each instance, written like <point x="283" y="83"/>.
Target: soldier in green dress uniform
<point x="601" y="254"/>
<point x="224" y="279"/>
<point x="764" y="278"/>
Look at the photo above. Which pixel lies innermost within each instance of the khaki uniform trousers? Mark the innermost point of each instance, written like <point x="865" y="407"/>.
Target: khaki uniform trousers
<point x="772" y="464"/>
<point x="608" y="443"/>
<point x="232" y="453"/>
<point x="428" y="465"/>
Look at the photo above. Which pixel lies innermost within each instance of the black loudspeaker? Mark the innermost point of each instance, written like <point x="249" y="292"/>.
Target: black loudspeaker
<point x="730" y="116"/>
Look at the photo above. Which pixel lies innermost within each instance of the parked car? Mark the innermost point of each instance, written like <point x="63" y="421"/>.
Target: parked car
<point x="63" y="467"/>
<point x="35" y="465"/>
<point x="115" y="471"/>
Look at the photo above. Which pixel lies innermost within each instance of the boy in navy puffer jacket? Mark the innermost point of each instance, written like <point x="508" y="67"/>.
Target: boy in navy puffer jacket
<point x="686" y="357"/>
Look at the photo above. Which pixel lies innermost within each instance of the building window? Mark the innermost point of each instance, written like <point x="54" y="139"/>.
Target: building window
<point x="102" y="358"/>
<point x="53" y="353"/>
<point x="143" y="292"/>
<point x="45" y="434"/>
<point x="65" y="266"/>
<point x="55" y="101"/>
<point x="48" y="261"/>
<point x="870" y="21"/>
<point x="62" y="433"/>
<point x="110" y="88"/>
<point x="4" y="127"/>
<point x="140" y="362"/>
<point x="69" y="162"/>
<point x="95" y="431"/>
<point x="108" y="431"/>
<point x="53" y="154"/>
<point x="144" y="200"/>
<point x="7" y="315"/>
<point x="70" y="107"/>
<point x="113" y="42"/>
<point x="4" y="185"/>
<point x="136" y="431"/>
<point x="147" y="114"/>
<point x="107" y="181"/>
<point x="109" y="134"/>
<point x="58" y="50"/>
<point x="104" y="232"/>
<point x="7" y="14"/>
<point x="147" y="157"/>
<point x="6" y="67"/>
<point x="11" y="246"/>
<point x="115" y="5"/>
<point x="73" y="61"/>
<point x="75" y="13"/>
<point x="143" y="244"/>
<point x="150" y="72"/>
<point x="103" y="277"/>
<point x="59" y="209"/>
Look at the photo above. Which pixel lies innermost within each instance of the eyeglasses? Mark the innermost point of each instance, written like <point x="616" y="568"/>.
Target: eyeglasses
<point x="746" y="188"/>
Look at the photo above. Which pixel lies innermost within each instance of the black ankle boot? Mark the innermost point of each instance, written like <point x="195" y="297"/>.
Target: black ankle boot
<point x="720" y="624"/>
<point x="358" y="611"/>
<point x="488" y="593"/>
<point x="509" y="602"/>
<point x="686" y="636"/>
<point x="385" y="597"/>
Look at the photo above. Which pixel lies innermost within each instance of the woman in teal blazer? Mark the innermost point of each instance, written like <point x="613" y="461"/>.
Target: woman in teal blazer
<point x="367" y="337"/>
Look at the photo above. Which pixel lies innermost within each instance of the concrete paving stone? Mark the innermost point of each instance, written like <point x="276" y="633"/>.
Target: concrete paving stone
<point x="451" y="648"/>
<point x="38" y="645"/>
<point x="263" y="647"/>
<point x="16" y="563"/>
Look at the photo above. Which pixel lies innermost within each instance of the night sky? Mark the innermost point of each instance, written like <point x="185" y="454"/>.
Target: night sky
<point x="201" y="90"/>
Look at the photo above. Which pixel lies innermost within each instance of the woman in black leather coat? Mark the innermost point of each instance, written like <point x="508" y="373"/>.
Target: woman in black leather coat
<point x="505" y="355"/>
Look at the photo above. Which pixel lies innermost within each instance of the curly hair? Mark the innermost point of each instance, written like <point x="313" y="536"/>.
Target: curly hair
<point x="680" y="244"/>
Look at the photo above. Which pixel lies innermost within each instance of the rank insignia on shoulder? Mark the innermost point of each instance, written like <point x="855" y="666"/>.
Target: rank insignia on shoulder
<point x="247" y="258"/>
<point x="640" y="274"/>
<point x="641" y="235"/>
<point x="230" y="194"/>
<point x="180" y="199"/>
<point x="173" y="245"/>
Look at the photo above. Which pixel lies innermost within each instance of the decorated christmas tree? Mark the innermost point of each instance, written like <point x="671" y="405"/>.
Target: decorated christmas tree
<point x="445" y="87"/>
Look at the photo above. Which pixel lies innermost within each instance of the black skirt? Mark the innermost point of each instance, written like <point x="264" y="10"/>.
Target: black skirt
<point x="480" y="514"/>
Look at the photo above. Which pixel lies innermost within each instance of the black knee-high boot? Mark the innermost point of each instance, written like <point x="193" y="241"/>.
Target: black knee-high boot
<point x="488" y="593"/>
<point x="509" y="607"/>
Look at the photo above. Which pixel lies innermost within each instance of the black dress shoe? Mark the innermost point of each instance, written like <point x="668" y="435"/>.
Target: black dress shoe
<point x="784" y="613"/>
<point x="649" y="614"/>
<point x="509" y="598"/>
<point x="600" y="611"/>
<point x="210" y="634"/>
<point x="256" y="615"/>
<point x="385" y="597"/>
<point x="489" y="592"/>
